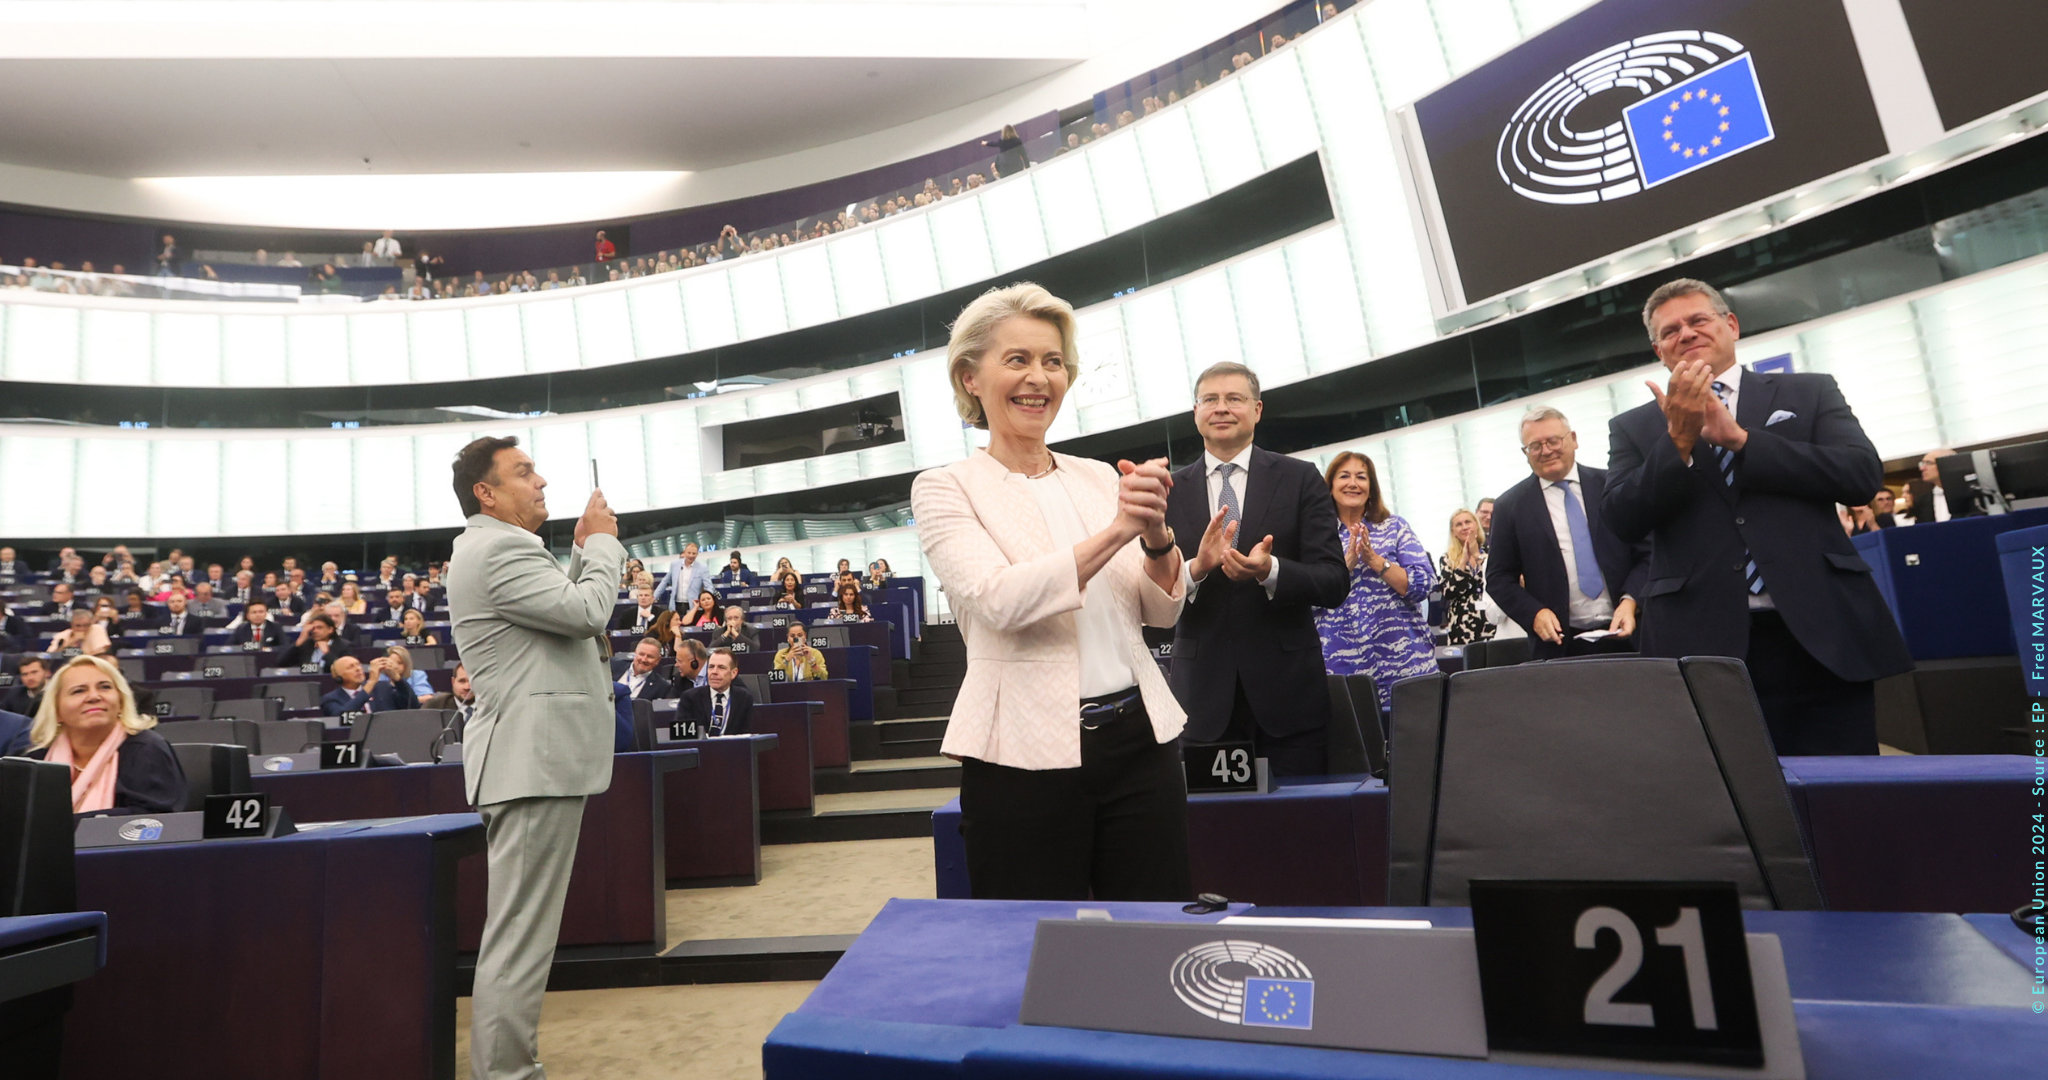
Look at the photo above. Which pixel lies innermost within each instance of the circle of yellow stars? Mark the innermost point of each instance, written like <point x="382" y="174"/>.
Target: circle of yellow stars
<point x="1706" y="148"/>
<point x="1265" y="1002"/>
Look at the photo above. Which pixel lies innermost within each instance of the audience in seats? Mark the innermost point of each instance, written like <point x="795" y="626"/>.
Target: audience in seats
<point x="666" y="631"/>
<point x="255" y="630"/>
<point x="1555" y="566"/>
<point x="207" y="605"/>
<point x="289" y="605"/>
<point x="792" y="595"/>
<point x="705" y="614"/>
<point x="1380" y="630"/>
<point x="642" y="615"/>
<point x="400" y="669"/>
<point x="642" y="678"/>
<point x="412" y="629"/>
<point x="797" y="660"/>
<point x="722" y="705"/>
<point x="367" y="689"/>
<point x="179" y="619"/>
<point x="344" y="630"/>
<point x="10" y="566"/>
<point x="735" y="572"/>
<point x="26" y="695"/>
<point x="1929" y="502"/>
<point x="737" y="634"/>
<point x="879" y="573"/>
<point x="84" y="635"/>
<point x="89" y="721"/>
<point x="461" y="697"/>
<point x="690" y="660"/>
<point x="850" y="608"/>
<point x="1461" y="572"/>
<point x="317" y="646"/>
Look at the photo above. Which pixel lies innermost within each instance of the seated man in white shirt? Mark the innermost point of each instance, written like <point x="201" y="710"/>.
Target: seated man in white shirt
<point x="641" y="616"/>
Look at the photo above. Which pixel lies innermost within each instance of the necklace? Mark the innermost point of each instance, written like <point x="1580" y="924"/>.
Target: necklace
<point x="1042" y="475"/>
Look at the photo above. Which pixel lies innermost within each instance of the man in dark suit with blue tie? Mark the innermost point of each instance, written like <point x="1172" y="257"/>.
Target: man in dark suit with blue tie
<point x="722" y="706"/>
<point x="1552" y="564"/>
<point x="1734" y="476"/>
<point x="1258" y="540"/>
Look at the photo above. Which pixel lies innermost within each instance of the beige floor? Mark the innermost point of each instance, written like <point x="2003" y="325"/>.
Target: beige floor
<point x="654" y="1033"/>
<point x="807" y="889"/>
<point x="905" y="799"/>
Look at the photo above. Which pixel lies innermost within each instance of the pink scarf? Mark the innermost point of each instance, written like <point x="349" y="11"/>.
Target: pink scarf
<point x="94" y="788"/>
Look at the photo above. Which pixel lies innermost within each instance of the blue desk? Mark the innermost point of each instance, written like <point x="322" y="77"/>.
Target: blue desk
<point x="1939" y="833"/>
<point x="933" y="988"/>
<point x="2025" y="570"/>
<point x="41" y="952"/>
<point x="1943" y="583"/>
<point x="326" y="954"/>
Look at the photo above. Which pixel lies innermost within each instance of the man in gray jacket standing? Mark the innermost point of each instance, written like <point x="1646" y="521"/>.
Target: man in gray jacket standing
<point x="539" y="740"/>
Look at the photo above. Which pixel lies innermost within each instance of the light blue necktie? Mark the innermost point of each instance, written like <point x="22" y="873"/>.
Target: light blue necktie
<point x="1590" y="581"/>
<point x="1726" y="457"/>
<point x="1228" y="498"/>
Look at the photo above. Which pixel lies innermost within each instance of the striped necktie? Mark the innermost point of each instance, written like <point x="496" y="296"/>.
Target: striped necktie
<point x="1726" y="457"/>
<point x="1227" y="498"/>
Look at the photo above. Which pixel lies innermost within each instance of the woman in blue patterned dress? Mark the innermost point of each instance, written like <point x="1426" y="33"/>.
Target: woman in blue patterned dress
<point x="1381" y="630"/>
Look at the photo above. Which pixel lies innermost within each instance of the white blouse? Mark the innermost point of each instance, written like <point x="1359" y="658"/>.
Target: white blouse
<point x="1103" y="669"/>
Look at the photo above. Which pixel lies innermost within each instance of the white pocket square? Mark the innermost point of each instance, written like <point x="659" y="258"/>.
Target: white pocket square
<point x="1781" y="414"/>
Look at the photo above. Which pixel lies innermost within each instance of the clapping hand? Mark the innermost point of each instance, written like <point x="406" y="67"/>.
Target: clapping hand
<point x="1685" y="400"/>
<point x="1355" y="551"/>
<point x="1252" y="565"/>
<point x="1216" y="539"/>
<point x="1141" y="499"/>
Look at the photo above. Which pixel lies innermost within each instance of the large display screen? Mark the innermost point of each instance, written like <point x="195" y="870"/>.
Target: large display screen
<point x="1980" y="55"/>
<point x="1631" y="120"/>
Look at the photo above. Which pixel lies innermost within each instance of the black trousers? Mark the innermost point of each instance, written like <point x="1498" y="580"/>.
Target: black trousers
<point x="1114" y="829"/>
<point x="1304" y="753"/>
<point x="1809" y="709"/>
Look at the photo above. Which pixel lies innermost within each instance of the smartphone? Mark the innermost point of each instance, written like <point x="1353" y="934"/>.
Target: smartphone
<point x="593" y="474"/>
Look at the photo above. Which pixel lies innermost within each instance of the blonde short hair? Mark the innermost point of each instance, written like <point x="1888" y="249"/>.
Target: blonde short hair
<point x="977" y="323"/>
<point x="43" y="731"/>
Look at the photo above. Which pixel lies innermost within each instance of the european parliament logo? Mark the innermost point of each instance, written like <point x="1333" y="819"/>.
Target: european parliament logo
<point x="1247" y="983"/>
<point x="1697" y="101"/>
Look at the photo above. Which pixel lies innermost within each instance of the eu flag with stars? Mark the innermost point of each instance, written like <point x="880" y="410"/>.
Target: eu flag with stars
<point x="1282" y="1003"/>
<point x="1713" y="115"/>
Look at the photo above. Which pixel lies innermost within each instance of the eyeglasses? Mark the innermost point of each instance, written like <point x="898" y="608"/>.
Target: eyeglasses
<point x="1554" y="442"/>
<point x="1235" y="401"/>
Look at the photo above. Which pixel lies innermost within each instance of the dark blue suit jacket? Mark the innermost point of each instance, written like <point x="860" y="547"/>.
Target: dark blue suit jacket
<point x="1232" y="631"/>
<point x="1525" y="570"/>
<point x="382" y="696"/>
<point x="14" y="733"/>
<point x="1780" y="509"/>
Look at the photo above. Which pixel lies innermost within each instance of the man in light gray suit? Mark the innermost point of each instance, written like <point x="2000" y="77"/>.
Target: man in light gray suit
<point x="686" y="578"/>
<point x="539" y="740"/>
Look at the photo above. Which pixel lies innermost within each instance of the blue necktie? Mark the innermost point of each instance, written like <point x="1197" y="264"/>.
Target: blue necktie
<point x="1726" y="456"/>
<point x="1590" y="581"/>
<point x="1228" y="498"/>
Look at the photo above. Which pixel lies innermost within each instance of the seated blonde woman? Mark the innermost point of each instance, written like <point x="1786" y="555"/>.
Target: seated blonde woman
<point x="797" y="660"/>
<point x="88" y="721"/>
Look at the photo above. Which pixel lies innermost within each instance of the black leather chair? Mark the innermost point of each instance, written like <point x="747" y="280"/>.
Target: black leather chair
<point x="299" y="694"/>
<point x="1600" y="768"/>
<point x="1499" y="652"/>
<point x="194" y="701"/>
<point x="289" y="736"/>
<point x="258" y="709"/>
<point x="233" y="666"/>
<point x="412" y="734"/>
<point x="643" y="724"/>
<point x="36" y="827"/>
<point x="1344" y="744"/>
<point x="212" y="769"/>
<point x="241" y="733"/>
<point x="1372" y="721"/>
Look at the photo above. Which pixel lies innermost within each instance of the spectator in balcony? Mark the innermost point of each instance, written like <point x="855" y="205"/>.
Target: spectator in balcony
<point x="317" y="646"/>
<point x="730" y="243"/>
<point x="256" y="631"/>
<point x="797" y="659"/>
<point x="86" y="634"/>
<point x="386" y="246"/>
<point x="390" y="293"/>
<point x="369" y="255"/>
<point x="327" y="279"/>
<point x="554" y="280"/>
<point x="737" y="633"/>
<point x="90" y="723"/>
<point x="606" y="251"/>
<point x="426" y="265"/>
<point x="166" y="256"/>
<point x="290" y="260"/>
<point x="419" y="290"/>
<point x="849" y="608"/>
<point x="1010" y="159"/>
<point x="351" y="599"/>
<point x="705" y="615"/>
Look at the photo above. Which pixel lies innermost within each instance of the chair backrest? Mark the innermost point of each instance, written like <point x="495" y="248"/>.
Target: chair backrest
<point x="643" y="724"/>
<point x="1372" y="720"/>
<point x="410" y="733"/>
<point x="1602" y="769"/>
<point x="241" y="733"/>
<point x="183" y="701"/>
<point x="258" y="709"/>
<point x="172" y="646"/>
<point x="238" y="666"/>
<point x="36" y="829"/>
<point x="428" y="657"/>
<point x="836" y="636"/>
<point x="757" y="685"/>
<point x="133" y="669"/>
<point x="289" y="736"/>
<point x="1499" y="652"/>
<point x="298" y="694"/>
<point x="212" y="769"/>
<point x="1341" y="736"/>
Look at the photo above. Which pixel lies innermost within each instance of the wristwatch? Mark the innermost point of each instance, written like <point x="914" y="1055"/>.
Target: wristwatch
<point x="1158" y="552"/>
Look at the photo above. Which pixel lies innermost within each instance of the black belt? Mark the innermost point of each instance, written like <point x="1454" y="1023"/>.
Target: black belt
<point x="1105" y="708"/>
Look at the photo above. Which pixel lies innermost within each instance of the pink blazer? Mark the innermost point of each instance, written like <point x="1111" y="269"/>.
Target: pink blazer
<point x="1015" y="595"/>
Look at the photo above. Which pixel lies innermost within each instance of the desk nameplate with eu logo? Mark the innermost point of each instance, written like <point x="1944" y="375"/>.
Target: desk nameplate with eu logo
<point x="1407" y="990"/>
<point x="149" y="830"/>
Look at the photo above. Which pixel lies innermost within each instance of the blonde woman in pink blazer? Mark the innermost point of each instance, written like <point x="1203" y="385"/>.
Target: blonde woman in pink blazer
<point x="1071" y="781"/>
